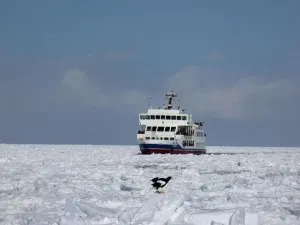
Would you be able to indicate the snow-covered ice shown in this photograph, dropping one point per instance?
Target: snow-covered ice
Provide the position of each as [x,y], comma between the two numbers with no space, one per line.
[76,185]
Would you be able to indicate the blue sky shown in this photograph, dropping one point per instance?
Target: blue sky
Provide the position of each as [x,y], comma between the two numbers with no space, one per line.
[78,71]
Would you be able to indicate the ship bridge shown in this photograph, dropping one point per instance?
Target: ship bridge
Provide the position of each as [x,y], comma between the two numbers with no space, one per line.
[162,116]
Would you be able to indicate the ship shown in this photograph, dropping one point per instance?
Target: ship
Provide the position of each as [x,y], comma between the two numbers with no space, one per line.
[170,131]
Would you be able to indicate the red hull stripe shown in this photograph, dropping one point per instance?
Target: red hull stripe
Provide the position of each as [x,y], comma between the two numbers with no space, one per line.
[175,151]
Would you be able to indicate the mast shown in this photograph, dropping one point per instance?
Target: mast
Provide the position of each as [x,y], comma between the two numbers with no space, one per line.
[170,95]
[149,102]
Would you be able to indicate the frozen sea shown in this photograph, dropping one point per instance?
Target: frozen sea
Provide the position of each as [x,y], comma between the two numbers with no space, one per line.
[85,184]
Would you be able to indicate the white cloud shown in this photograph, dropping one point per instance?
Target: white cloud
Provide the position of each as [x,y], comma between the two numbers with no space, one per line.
[202,92]
[86,90]
[250,97]
[90,92]
[132,97]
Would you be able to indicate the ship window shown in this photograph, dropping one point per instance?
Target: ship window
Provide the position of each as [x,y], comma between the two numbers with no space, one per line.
[168,117]
[163,117]
[200,134]
[141,117]
[173,129]
[148,128]
[188,143]
[147,138]
[183,117]
[152,117]
[147,117]
[178,117]
[166,138]
[153,138]
[160,129]
[154,128]
[157,117]
[173,117]
[167,129]
[171,138]
[161,138]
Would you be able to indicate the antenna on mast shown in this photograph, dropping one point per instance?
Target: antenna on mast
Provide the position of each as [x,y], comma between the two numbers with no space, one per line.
[149,101]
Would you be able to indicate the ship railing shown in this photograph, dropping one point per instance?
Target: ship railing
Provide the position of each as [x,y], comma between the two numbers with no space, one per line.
[199,123]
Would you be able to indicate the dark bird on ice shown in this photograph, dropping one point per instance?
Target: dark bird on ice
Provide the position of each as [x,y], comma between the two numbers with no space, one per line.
[159,182]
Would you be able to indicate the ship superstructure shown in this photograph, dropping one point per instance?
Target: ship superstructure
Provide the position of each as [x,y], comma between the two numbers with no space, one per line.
[169,130]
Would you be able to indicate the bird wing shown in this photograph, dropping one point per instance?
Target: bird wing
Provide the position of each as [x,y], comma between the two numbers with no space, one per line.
[154,179]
